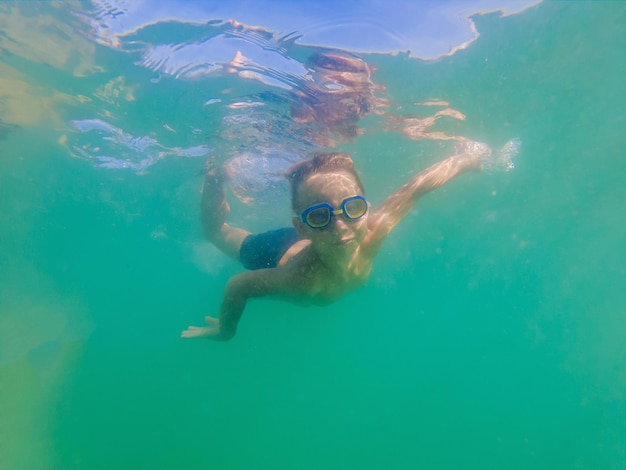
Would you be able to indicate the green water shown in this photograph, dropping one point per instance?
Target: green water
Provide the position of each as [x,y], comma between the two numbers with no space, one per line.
[491,334]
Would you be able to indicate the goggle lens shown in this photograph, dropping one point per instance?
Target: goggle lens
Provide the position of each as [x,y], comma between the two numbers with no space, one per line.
[355,208]
[319,217]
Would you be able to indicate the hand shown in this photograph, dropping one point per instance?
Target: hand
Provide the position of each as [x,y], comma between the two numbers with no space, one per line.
[211,331]
[491,161]
[480,154]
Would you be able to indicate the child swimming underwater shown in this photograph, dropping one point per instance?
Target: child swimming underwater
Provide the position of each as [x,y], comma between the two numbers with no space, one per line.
[335,237]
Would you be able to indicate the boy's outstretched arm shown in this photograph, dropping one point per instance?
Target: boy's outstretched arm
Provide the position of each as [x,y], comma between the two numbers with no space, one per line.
[238,290]
[385,217]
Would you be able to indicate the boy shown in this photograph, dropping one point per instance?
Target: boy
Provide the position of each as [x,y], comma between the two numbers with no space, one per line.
[335,236]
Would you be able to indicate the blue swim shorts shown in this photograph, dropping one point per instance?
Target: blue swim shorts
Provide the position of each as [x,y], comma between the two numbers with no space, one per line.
[264,250]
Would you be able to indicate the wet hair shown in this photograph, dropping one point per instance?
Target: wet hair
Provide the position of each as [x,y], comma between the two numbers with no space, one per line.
[339,93]
[320,163]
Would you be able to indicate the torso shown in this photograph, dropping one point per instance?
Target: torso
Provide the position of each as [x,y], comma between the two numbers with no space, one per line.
[319,282]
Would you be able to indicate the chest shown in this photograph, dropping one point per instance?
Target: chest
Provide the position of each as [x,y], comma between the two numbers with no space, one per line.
[330,285]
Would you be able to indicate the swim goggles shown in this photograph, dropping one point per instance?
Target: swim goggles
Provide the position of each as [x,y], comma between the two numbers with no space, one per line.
[320,215]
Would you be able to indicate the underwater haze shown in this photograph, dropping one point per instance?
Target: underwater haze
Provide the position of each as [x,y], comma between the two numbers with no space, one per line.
[491,333]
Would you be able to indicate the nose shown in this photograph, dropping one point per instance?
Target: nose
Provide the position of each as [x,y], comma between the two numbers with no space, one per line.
[339,224]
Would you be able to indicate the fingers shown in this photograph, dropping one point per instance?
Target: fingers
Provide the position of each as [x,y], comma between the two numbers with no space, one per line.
[202,331]
[193,332]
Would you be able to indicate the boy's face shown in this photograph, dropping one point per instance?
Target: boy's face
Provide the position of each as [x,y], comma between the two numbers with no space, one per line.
[342,234]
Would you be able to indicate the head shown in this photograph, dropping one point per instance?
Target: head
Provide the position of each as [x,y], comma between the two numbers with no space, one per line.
[340,94]
[337,62]
[327,178]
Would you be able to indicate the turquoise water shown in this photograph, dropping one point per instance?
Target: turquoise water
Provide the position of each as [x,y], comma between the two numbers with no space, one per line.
[491,333]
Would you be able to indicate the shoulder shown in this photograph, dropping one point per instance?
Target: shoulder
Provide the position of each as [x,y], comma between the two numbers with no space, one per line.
[294,251]
[377,233]
[295,276]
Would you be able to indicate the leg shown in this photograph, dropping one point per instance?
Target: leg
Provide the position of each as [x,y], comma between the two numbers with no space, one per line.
[213,213]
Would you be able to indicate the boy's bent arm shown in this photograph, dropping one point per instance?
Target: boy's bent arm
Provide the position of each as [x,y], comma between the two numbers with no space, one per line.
[238,290]
[385,217]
